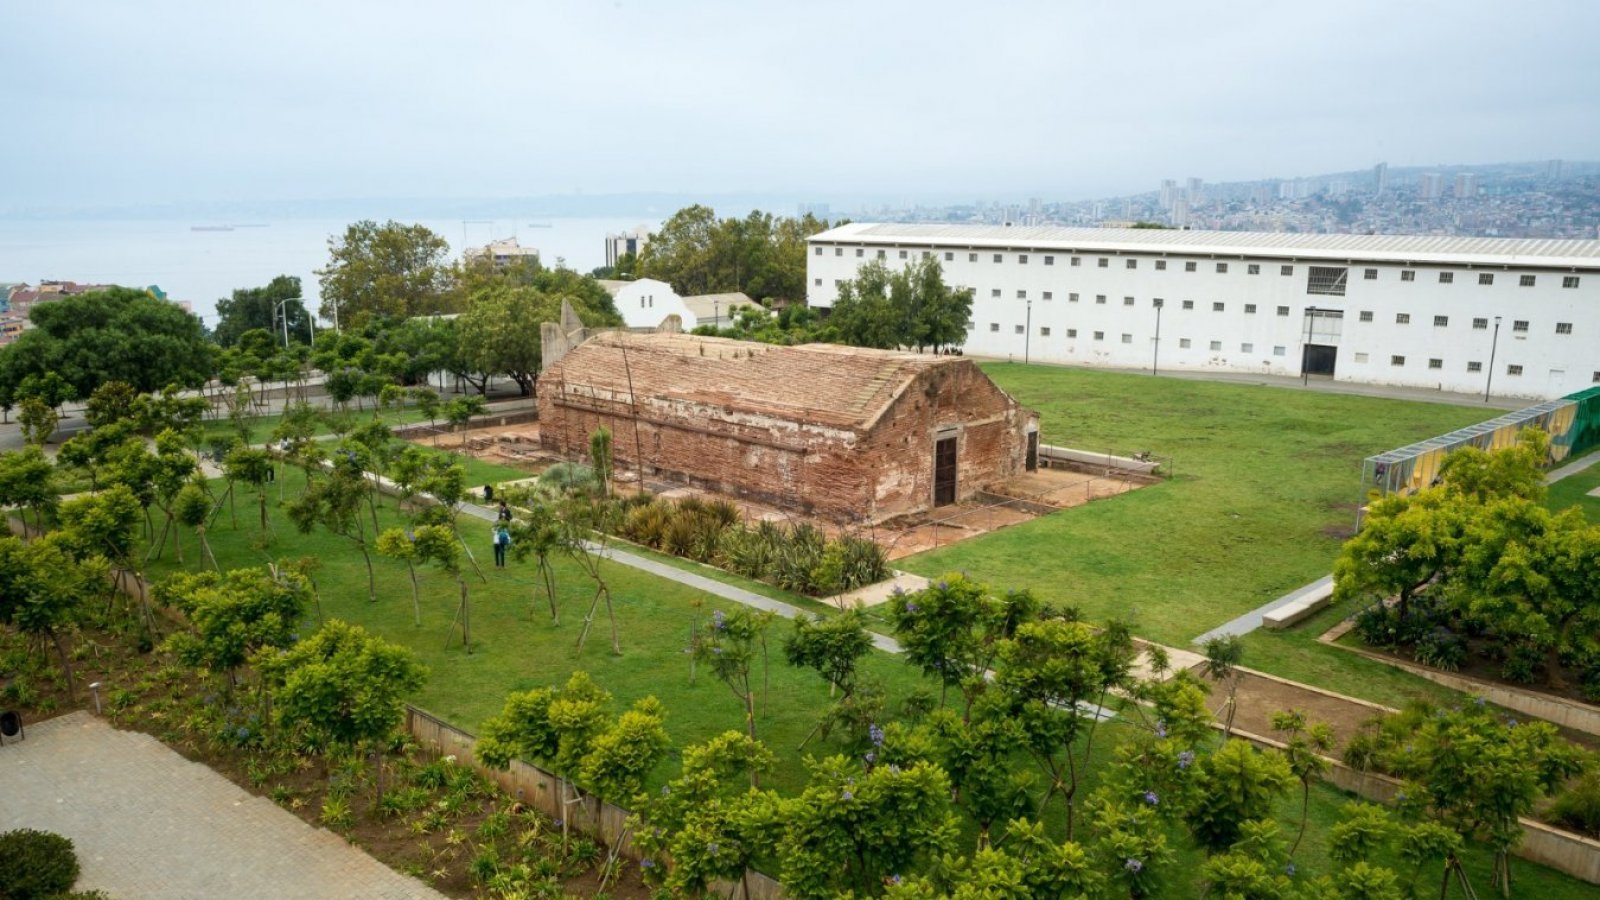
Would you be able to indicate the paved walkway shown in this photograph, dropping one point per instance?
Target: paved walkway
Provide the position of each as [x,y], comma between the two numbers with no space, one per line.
[148,823]
[1572,468]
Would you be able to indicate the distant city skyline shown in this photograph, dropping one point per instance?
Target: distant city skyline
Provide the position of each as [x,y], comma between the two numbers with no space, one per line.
[182,103]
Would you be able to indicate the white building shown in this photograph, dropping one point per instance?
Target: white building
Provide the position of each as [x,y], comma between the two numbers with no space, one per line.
[502,253]
[627,243]
[646,303]
[1457,314]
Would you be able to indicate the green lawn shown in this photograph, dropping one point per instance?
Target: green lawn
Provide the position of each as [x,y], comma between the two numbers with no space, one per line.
[1267,480]
[1574,490]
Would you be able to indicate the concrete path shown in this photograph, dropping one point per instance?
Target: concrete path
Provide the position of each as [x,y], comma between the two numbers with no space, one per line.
[1572,468]
[148,823]
[876,594]
[1251,620]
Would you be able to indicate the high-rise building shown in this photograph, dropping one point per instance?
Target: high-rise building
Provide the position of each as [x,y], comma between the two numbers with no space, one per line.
[1380,178]
[626,243]
[1466,185]
[1193,191]
[1169,192]
[1553,169]
[1180,212]
[1432,187]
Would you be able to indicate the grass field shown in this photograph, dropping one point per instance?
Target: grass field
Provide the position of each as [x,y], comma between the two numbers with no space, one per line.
[1574,491]
[1266,486]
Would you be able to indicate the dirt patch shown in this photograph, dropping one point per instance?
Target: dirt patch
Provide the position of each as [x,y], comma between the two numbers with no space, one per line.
[1259,698]
[1339,532]
[513,445]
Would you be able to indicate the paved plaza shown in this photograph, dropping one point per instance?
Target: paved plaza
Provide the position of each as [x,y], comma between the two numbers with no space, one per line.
[149,823]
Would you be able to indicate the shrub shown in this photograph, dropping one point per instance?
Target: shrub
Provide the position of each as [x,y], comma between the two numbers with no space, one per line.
[647,524]
[36,864]
[1578,807]
[1524,664]
[1442,649]
[570,478]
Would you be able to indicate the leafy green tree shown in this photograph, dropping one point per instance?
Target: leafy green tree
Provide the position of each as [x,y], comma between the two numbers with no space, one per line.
[908,307]
[833,648]
[118,334]
[1223,656]
[460,411]
[336,504]
[1236,784]
[499,332]
[258,308]
[42,592]
[1026,865]
[977,752]
[111,402]
[853,829]
[1304,745]
[384,270]
[253,467]
[192,507]
[231,617]
[952,630]
[1050,671]
[38,421]
[728,648]
[1405,544]
[584,525]
[601,458]
[399,543]
[537,533]
[28,481]
[342,688]
[702,824]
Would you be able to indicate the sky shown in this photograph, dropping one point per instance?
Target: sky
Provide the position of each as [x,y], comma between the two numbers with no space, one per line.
[149,103]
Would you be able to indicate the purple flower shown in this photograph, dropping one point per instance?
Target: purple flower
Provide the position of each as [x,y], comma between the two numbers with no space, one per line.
[847,796]
[647,864]
[1161,728]
[894,879]
[1289,870]
[712,848]
[1133,865]
[944,585]
[875,734]
[1400,797]
[871,757]
[665,790]
[1151,798]
[242,733]
[897,591]
[1511,723]
[910,607]
[718,620]
[1185,759]
[559,822]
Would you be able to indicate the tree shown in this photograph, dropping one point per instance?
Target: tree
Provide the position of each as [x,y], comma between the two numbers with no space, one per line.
[681,252]
[1236,784]
[909,307]
[28,480]
[729,649]
[258,307]
[952,630]
[341,688]
[1223,656]
[538,534]
[600,458]
[1304,748]
[581,519]
[118,334]
[192,507]
[336,503]
[459,413]
[111,402]
[831,647]
[233,616]
[253,467]
[42,589]
[1050,671]
[384,270]
[500,330]
[1405,544]
[38,421]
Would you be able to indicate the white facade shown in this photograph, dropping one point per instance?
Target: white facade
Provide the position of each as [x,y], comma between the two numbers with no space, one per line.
[1422,312]
[646,303]
[626,243]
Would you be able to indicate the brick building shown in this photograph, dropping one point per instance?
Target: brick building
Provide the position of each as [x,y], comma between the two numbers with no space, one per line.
[844,433]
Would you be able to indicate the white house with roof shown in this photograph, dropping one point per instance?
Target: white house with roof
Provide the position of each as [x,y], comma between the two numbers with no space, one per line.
[1518,318]
[645,303]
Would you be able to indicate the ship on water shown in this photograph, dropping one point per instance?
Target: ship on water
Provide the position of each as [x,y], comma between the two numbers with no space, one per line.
[210,227]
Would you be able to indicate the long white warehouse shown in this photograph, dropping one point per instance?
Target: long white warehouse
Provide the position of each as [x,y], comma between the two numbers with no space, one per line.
[1520,318]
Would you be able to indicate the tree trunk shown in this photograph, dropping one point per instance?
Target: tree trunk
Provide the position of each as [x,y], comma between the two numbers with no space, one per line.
[372,579]
[416,599]
[66,662]
[466,616]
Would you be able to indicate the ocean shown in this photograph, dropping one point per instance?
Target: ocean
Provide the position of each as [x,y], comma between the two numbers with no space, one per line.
[202,261]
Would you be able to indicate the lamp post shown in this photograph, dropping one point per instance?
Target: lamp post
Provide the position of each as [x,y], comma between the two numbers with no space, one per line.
[1305,350]
[1489,382]
[278,309]
[1027,333]
[1155,355]
[716,314]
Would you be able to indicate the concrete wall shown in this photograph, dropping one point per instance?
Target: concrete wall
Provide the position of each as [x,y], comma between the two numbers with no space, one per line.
[1063,305]
[554,796]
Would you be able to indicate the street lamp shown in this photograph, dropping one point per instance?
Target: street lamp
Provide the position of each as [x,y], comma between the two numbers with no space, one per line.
[278,308]
[1305,349]
[1489,382]
[1027,333]
[1155,355]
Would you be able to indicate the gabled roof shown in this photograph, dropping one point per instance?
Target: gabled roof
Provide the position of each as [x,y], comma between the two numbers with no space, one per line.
[813,384]
[1430,249]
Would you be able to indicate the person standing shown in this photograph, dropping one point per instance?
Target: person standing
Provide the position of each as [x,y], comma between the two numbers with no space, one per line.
[502,541]
[504,515]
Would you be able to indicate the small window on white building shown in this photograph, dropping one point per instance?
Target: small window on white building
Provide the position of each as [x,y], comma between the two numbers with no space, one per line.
[994,292]
[1402,318]
[1100,298]
[1044,331]
[815,281]
[994,326]
[1191,266]
[1217,307]
[1475,366]
[1018,329]
[1286,271]
[1328,280]
[1184,343]
[1049,260]
[1049,294]
[1447,277]
[1526,281]
[1519,325]
[972,257]
[1486,278]
[1133,263]
[1022,259]
[1188,304]
[1072,297]
[1216,345]
[1127,301]
[1022,295]
[838,251]
[1077,260]
[1283,310]
[1099,335]
[1569,281]
[1369,275]
[902,254]
[1397,360]
[1361,357]
[1366,315]
[1247,348]
[1435,363]
[1513,370]
[1127,339]
[1253,269]
[819,251]
[1280,350]
[1104,263]
[1408,275]
[1480,323]
[999,257]
[860,252]
[1222,268]
[1072,332]
[1563,328]
[883,254]
[949,257]
[1441,321]
[1161,265]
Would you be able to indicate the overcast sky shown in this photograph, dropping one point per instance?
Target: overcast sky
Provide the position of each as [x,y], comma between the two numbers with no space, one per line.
[150,102]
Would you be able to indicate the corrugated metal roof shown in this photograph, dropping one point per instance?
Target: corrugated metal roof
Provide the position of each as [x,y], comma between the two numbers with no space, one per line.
[1435,249]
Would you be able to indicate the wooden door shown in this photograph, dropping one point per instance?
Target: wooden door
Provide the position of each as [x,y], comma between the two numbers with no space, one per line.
[944,471]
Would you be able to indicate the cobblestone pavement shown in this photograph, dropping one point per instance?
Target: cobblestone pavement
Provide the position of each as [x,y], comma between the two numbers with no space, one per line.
[148,823]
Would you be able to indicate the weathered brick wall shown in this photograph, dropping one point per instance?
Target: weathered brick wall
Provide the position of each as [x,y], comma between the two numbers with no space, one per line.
[812,469]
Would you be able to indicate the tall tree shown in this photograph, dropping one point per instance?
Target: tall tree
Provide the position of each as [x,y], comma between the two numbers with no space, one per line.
[259,307]
[384,270]
[118,334]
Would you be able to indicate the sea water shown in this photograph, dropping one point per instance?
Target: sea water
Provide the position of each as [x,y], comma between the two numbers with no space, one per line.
[202,261]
